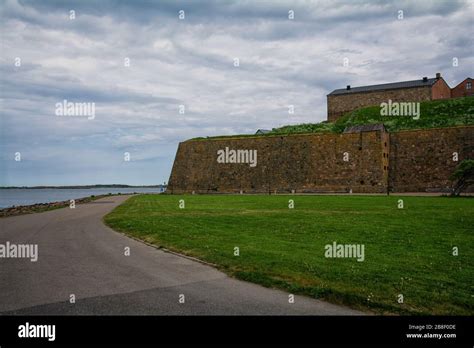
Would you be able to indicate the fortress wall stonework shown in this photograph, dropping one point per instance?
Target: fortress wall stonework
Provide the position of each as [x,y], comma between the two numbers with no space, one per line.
[408,161]
[422,161]
[304,163]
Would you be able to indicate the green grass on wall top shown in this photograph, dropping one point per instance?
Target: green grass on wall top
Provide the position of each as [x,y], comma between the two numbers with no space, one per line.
[433,114]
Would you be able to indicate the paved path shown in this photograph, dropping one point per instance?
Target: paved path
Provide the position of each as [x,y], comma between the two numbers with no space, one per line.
[79,255]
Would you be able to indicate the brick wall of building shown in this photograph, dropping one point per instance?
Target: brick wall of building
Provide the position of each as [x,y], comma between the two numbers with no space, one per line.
[461,90]
[440,90]
[338,105]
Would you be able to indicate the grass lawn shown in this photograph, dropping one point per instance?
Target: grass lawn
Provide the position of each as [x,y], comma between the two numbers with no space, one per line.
[408,251]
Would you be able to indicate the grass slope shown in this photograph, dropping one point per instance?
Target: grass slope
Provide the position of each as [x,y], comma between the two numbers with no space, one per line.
[407,251]
[433,114]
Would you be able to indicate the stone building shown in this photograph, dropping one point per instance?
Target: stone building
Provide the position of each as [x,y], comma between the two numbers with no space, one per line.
[464,89]
[341,101]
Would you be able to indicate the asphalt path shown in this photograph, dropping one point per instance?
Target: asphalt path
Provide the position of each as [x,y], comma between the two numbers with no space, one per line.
[78,255]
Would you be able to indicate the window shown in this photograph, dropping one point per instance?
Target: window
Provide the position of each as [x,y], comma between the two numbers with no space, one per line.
[469,85]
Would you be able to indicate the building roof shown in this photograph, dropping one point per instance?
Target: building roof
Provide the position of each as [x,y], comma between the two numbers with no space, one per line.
[385,86]
[365,128]
[465,80]
[262,131]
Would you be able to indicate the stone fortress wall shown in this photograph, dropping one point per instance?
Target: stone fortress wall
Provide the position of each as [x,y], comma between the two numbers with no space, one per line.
[422,160]
[364,162]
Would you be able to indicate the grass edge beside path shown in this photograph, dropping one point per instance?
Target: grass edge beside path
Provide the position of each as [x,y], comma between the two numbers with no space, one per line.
[137,219]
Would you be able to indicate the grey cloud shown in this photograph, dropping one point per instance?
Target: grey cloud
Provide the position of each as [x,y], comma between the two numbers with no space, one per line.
[190,62]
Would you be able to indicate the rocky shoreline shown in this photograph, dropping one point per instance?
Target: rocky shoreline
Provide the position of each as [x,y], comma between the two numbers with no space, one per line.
[40,207]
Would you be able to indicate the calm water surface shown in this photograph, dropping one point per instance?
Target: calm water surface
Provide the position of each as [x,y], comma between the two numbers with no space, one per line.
[11,197]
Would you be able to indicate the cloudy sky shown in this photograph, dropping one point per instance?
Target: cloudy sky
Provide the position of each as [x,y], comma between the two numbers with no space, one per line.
[48,56]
